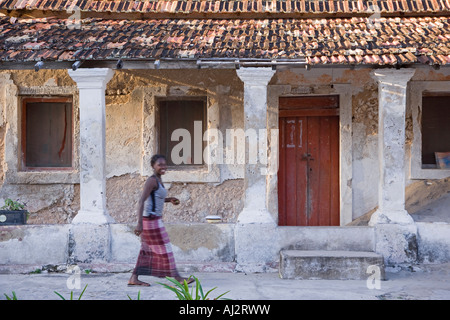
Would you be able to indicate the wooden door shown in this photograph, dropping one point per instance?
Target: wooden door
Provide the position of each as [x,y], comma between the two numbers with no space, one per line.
[308,176]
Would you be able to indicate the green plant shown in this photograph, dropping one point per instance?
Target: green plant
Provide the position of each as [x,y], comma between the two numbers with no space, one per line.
[183,293]
[37,271]
[71,294]
[12,205]
[14,297]
[138,297]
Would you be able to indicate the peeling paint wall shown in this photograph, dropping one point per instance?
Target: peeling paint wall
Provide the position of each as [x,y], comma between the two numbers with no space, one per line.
[130,140]
[127,93]
[364,124]
[51,199]
[364,142]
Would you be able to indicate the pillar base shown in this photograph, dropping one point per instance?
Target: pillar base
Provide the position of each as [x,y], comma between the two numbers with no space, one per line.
[89,243]
[256,244]
[249,215]
[256,247]
[93,217]
[397,243]
[399,217]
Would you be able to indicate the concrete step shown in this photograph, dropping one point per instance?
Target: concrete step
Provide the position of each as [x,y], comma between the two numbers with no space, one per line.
[328,238]
[330,265]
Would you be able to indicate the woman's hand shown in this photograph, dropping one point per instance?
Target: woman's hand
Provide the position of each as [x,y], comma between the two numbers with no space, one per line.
[138,229]
[174,201]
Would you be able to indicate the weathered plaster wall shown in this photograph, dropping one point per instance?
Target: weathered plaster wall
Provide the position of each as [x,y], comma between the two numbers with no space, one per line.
[4,78]
[365,132]
[364,124]
[421,193]
[53,200]
[126,94]
[197,200]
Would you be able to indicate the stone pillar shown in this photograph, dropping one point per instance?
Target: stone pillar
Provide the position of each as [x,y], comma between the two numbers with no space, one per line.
[92,84]
[255,118]
[254,233]
[90,234]
[395,228]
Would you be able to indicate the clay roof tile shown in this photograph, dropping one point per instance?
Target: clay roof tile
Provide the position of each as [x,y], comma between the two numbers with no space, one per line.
[324,41]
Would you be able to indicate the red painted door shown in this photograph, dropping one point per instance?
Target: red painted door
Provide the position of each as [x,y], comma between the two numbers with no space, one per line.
[308,176]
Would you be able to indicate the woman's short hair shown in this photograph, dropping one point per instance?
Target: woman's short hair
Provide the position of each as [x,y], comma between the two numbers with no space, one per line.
[155,158]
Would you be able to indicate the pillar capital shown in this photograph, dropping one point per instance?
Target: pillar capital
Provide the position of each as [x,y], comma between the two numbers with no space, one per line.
[255,76]
[393,76]
[91,78]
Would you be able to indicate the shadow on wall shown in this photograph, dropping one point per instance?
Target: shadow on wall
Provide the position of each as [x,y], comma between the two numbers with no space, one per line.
[426,201]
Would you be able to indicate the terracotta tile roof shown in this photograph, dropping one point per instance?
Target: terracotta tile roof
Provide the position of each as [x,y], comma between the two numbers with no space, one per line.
[384,41]
[233,6]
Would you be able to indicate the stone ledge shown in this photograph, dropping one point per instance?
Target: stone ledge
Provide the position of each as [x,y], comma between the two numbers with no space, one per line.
[328,265]
[184,267]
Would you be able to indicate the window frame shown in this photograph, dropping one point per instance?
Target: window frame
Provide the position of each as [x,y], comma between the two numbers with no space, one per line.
[415,100]
[203,99]
[50,99]
[431,95]
[208,173]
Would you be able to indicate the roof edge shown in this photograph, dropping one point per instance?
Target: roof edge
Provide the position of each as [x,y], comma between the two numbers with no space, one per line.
[233,7]
[82,14]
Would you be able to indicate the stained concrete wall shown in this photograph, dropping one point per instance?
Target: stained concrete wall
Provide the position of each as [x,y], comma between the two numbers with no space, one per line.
[34,244]
[25,248]
[433,242]
[364,144]
[57,200]
[130,139]
[52,199]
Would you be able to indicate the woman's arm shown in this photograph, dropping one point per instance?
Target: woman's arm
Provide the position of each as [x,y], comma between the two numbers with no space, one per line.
[173,200]
[149,186]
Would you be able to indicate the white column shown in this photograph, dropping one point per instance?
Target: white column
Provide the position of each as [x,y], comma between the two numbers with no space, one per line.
[391,146]
[255,118]
[256,244]
[395,231]
[92,84]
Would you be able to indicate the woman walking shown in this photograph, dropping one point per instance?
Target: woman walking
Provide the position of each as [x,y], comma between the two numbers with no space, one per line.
[155,256]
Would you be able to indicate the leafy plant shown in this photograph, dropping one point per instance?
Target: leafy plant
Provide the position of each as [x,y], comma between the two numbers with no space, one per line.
[13,297]
[138,297]
[71,294]
[182,290]
[12,205]
[36,271]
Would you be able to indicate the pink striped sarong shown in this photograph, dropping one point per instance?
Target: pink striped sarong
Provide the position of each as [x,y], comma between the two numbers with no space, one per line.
[155,257]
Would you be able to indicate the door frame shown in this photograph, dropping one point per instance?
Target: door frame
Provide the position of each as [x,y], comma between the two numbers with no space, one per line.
[344,91]
[313,112]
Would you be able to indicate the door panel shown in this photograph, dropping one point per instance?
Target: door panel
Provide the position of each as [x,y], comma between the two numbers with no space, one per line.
[308,177]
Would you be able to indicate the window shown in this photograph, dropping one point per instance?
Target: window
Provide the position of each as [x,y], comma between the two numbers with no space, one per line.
[47,133]
[420,97]
[435,127]
[182,124]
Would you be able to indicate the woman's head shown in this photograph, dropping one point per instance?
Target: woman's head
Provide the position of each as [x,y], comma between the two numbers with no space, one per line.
[158,163]
[155,158]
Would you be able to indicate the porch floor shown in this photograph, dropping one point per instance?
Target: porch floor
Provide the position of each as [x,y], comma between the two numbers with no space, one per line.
[437,211]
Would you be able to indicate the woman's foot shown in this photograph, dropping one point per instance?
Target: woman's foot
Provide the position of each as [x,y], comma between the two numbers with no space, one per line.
[134,281]
[181,280]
